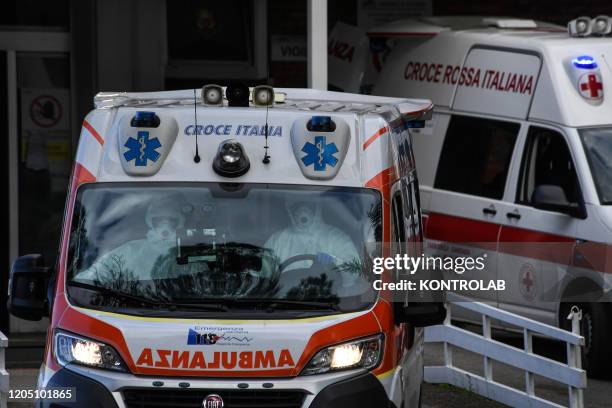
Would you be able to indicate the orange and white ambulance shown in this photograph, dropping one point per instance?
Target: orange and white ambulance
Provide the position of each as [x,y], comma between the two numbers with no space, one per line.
[518,156]
[216,252]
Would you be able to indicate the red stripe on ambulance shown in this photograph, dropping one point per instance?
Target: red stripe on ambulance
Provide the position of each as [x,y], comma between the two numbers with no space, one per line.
[93,132]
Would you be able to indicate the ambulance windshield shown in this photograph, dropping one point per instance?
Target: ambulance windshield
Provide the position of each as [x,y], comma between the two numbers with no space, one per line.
[234,247]
[597,144]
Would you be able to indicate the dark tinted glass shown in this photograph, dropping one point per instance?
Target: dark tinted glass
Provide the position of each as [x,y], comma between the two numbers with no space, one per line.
[28,13]
[476,156]
[597,144]
[209,30]
[547,161]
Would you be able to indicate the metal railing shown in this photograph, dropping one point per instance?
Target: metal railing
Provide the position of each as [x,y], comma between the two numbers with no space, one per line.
[4,375]
[570,374]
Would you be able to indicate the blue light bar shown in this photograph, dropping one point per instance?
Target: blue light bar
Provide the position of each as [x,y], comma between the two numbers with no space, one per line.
[321,121]
[145,119]
[142,115]
[584,62]
[415,124]
[321,124]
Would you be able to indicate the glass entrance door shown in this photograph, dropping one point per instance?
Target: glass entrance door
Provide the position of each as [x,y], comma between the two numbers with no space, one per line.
[45,150]
[4,186]
[36,106]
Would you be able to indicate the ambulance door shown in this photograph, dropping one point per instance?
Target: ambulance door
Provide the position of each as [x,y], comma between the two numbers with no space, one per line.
[536,245]
[465,218]
[406,236]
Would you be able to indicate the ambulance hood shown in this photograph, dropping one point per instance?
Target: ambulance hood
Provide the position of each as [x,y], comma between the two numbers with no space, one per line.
[160,346]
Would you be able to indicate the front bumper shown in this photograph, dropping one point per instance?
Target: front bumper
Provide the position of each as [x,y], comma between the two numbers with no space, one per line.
[98,388]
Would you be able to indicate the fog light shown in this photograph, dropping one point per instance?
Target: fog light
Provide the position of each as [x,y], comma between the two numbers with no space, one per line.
[263,95]
[231,159]
[212,95]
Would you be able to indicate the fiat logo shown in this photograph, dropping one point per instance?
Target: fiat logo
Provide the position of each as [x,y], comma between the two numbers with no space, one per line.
[212,401]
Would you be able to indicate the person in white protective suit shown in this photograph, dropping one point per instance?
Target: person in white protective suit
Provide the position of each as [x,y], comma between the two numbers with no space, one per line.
[310,235]
[135,260]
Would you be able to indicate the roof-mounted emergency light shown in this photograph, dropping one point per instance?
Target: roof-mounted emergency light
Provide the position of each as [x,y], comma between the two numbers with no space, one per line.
[212,95]
[231,159]
[320,144]
[585,74]
[584,62]
[145,119]
[321,124]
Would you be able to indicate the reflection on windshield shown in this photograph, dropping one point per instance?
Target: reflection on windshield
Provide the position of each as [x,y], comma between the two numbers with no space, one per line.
[185,243]
[597,144]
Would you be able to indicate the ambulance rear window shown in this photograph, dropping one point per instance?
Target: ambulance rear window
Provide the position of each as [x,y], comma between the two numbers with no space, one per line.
[476,156]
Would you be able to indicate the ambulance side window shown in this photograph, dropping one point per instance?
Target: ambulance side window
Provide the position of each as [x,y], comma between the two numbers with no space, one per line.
[406,223]
[412,218]
[397,227]
[476,156]
[546,161]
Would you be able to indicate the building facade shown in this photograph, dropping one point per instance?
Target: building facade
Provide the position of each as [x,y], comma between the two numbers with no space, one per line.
[56,55]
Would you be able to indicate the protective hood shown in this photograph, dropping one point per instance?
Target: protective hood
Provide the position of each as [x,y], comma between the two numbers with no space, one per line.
[305,214]
[167,207]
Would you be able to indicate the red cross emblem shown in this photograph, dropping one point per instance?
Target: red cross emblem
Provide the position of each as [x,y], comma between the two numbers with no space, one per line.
[590,86]
[527,282]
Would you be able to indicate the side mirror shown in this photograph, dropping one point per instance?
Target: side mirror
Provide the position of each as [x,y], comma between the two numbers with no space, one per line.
[420,314]
[551,197]
[28,284]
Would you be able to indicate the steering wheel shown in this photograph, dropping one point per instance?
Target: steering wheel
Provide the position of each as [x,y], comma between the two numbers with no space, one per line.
[294,259]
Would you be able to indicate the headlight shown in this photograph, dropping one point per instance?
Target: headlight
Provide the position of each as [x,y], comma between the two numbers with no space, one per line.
[74,349]
[363,353]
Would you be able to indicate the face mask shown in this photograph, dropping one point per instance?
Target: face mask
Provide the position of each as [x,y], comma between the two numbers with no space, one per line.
[165,229]
[303,218]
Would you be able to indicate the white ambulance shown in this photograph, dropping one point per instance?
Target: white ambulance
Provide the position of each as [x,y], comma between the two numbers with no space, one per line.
[216,253]
[518,157]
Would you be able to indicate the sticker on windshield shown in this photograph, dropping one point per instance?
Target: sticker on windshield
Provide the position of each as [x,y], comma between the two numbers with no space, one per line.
[218,336]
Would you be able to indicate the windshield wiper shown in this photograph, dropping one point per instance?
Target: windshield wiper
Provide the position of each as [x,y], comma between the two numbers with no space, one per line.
[143,300]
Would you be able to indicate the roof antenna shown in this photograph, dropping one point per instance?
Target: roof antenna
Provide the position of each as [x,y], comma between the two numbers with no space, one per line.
[196,158]
[266,158]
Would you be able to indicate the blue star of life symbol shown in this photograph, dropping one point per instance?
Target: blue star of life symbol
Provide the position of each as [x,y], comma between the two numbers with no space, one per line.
[320,154]
[142,149]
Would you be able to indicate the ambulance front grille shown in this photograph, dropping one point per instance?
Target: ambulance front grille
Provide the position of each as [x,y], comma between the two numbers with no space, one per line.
[193,398]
